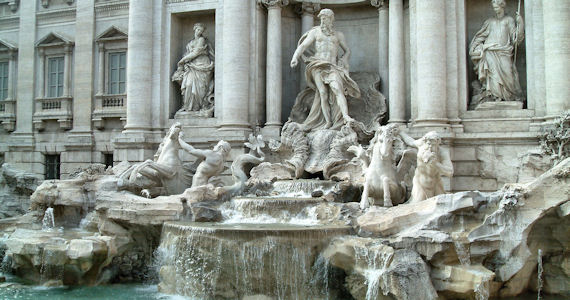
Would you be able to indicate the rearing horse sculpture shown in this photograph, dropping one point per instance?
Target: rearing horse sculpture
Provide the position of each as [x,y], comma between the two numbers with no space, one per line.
[383,179]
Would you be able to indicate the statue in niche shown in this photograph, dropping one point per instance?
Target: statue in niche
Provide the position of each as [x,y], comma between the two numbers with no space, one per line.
[493,51]
[433,161]
[195,74]
[384,174]
[327,73]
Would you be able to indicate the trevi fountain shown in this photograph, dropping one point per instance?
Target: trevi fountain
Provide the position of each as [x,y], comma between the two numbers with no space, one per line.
[347,199]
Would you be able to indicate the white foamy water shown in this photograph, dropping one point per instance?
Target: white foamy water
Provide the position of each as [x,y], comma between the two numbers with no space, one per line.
[48,221]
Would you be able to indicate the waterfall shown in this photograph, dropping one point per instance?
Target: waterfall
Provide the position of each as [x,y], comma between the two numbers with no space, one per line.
[209,260]
[376,261]
[482,289]
[48,221]
[539,271]
[462,253]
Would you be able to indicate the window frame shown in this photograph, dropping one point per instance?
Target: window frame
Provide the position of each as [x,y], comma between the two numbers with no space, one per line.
[4,86]
[107,78]
[47,78]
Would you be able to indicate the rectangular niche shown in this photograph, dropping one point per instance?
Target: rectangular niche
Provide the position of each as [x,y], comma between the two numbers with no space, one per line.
[477,11]
[181,33]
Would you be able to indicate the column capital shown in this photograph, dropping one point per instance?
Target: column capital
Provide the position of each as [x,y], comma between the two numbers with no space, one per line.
[269,4]
[308,8]
[42,52]
[380,4]
[101,46]
[67,49]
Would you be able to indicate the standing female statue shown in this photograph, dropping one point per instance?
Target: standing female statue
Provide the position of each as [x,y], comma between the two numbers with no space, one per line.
[492,52]
[195,73]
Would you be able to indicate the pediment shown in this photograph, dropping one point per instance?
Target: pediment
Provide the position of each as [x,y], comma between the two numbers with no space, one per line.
[6,46]
[111,34]
[54,39]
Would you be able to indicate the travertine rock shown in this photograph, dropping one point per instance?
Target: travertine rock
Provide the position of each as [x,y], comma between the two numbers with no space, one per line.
[15,190]
[483,243]
[377,271]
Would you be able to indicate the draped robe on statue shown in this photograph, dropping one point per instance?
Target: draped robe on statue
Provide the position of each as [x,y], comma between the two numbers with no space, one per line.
[492,51]
[329,73]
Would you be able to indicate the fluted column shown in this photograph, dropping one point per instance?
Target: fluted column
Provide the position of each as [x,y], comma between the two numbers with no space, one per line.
[308,11]
[383,36]
[139,66]
[235,77]
[101,75]
[397,83]
[274,84]
[557,55]
[431,63]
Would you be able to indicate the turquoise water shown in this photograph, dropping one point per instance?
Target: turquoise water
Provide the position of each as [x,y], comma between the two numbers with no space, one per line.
[18,290]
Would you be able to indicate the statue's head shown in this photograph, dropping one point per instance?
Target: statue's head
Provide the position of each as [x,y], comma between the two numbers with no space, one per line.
[223,146]
[174,130]
[498,5]
[326,15]
[200,27]
[432,139]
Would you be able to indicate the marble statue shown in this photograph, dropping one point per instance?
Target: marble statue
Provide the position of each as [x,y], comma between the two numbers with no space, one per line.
[493,51]
[383,178]
[166,170]
[209,163]
[195,73]
[433,161]
[327,73]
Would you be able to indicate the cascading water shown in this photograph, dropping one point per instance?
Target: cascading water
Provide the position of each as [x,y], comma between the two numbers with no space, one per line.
[301,187]
[299,211]
[539,273]
[376,262]
[482,289]
[231,261]
[48,221]
[462,253]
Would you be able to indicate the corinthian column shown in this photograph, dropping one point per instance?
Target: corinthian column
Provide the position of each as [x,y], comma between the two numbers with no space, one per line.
[431,63]
[382,6]
[139,66]
[556,55]
[274,85]
[235,59]
[307,12]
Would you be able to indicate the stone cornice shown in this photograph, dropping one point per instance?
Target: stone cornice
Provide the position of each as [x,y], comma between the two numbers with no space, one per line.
[110,9]
[56,16]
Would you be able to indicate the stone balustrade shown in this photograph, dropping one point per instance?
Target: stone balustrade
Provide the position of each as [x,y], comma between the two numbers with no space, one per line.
[60,109]
[109,106]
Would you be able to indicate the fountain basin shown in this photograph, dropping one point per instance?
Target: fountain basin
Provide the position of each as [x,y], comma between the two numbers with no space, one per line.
[213,260]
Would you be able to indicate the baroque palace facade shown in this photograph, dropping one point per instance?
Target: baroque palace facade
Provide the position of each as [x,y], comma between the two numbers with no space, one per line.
[91,81]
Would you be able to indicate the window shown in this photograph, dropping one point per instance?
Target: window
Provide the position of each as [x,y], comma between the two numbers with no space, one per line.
[108,160]
[55,77]
[3,80]
[52,166]
[117,73]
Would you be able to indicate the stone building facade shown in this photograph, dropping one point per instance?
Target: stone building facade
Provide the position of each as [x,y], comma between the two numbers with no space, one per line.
[89,81]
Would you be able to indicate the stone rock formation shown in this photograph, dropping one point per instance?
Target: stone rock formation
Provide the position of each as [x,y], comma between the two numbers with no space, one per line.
[15,190]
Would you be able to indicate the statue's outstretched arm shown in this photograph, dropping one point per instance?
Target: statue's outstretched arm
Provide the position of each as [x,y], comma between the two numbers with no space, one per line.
[187,147]
[408,139]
